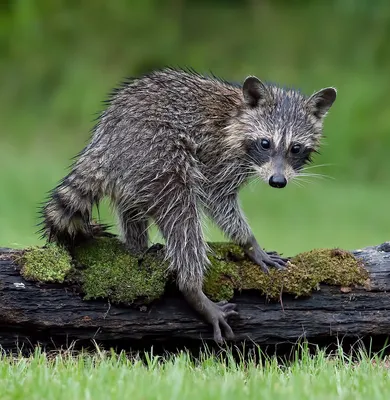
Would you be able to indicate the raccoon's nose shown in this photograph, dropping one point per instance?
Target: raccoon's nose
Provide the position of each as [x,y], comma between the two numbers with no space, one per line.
[277,181]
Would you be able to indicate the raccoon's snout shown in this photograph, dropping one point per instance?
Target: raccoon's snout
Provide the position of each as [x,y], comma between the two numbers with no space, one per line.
[277,181]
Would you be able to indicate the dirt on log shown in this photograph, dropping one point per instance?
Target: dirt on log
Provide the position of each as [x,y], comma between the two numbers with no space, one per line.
[56,315]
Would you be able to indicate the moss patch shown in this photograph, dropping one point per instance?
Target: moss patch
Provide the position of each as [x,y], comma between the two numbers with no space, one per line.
[110,271]
[223,275]
[303,274]
[46,264]
[104,269]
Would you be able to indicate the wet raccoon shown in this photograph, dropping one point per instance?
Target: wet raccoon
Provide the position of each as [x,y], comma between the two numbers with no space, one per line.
[174,143]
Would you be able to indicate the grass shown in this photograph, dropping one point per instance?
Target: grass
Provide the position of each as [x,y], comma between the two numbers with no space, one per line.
[106,375]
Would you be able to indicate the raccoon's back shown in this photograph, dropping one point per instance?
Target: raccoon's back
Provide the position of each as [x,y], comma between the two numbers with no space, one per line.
[159,117]
[171,99]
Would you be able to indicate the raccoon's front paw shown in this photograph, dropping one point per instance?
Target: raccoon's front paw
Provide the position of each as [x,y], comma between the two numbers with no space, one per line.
[258,256]
[274,260]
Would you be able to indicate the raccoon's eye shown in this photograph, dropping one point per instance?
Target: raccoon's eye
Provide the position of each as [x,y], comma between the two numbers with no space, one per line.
[296,148]
[265,144]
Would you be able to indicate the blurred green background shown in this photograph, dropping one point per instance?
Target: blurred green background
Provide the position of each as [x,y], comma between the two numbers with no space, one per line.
[59,59]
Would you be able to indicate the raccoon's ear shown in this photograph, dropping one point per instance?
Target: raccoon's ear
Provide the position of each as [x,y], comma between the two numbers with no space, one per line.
[320,102]
[254,91]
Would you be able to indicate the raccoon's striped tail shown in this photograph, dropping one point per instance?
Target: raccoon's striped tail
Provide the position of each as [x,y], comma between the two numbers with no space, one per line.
[67,215]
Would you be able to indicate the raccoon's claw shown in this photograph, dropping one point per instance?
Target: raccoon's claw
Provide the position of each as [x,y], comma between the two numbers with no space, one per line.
[265,261]
[220,314]
[258,256]
[276,261]
[215,314]
[274,253]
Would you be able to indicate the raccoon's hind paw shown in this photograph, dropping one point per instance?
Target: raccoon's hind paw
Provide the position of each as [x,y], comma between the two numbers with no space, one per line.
[220,313]
[215,314]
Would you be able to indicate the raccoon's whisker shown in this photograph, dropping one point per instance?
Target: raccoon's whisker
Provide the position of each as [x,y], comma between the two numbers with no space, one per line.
[303,180]
[301,184]
[316,166]
[251,184]
[297,183]
[312,174]
[318,176]
[306,181]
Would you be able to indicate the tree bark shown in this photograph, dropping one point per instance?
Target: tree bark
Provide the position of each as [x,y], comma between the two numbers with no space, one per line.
[55,315]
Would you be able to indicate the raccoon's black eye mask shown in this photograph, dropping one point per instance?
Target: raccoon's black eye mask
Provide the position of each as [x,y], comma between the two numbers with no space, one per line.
[258,151]
[300,159]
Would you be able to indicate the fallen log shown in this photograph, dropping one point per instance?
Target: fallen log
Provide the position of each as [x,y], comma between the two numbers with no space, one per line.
[56,314]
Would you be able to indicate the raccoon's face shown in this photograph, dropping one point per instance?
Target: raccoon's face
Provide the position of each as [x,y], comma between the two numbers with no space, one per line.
[283,129]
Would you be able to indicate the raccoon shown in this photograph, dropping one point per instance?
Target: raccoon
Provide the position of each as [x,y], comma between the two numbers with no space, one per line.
[174,144]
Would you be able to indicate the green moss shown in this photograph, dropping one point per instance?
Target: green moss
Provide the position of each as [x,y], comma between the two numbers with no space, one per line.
[104,269]
[110,271]
[303,274]
[46,264]
[223,276]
